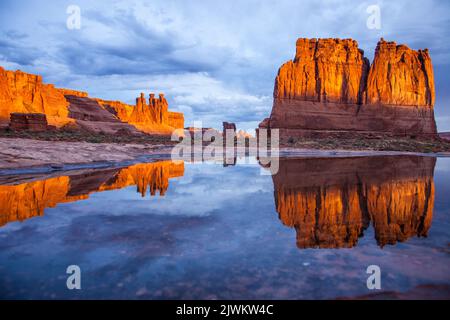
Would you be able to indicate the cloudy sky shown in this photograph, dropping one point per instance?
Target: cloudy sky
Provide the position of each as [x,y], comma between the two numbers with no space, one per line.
[214,60]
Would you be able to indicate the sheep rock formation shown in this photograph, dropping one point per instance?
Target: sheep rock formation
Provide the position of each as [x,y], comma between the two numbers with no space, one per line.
[26,93]
[331,87]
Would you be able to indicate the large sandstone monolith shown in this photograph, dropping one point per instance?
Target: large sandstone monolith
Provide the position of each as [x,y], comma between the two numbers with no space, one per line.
[330,87]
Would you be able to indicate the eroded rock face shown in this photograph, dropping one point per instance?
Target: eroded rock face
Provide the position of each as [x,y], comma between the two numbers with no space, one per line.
[330,86]
[176,120]
[150,115]
[331,201]
[400,76]
[25,93]
[92,116]
[324,70]
[21,92]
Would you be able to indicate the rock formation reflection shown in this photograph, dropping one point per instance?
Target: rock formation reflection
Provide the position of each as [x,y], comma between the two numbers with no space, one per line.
[330,202]
[26,200]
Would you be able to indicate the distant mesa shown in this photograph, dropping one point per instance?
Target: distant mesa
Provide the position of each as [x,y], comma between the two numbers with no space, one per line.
[445,135]
[331,202]
[330,87]
[26,94]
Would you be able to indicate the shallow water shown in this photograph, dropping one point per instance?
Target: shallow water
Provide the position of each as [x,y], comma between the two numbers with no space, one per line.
[203,230]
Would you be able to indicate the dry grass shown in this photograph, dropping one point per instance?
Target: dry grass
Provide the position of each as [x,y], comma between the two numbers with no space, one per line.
[375,144]
[85,136]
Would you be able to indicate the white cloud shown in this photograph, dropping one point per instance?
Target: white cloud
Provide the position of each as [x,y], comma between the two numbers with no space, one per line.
[215,60]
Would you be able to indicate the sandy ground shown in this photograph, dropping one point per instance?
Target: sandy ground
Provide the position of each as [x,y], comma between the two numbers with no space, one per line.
[17,153]
[26,153]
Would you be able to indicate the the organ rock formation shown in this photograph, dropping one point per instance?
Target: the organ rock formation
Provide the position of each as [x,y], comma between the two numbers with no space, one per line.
[26,93]
[331,87]
[331,201]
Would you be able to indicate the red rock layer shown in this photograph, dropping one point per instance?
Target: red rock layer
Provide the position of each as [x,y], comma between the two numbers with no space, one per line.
[176,120]
[400,76]
[330,202]
[324,70]
[150,116]
[25,93]
[28,121]
[330,86]
[27,200]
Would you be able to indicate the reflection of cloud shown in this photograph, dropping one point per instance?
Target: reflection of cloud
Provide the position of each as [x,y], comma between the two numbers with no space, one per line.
[226,57]
[182,198]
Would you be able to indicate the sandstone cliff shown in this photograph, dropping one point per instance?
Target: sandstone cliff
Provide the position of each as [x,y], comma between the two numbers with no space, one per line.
[151,117]
[331,86]
[331,202]
[25,93]
[400,76]
[324,70]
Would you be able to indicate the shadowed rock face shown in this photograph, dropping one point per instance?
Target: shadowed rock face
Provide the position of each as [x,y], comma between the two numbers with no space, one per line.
[330,86]
[26,200]
[28,121]
[330,202]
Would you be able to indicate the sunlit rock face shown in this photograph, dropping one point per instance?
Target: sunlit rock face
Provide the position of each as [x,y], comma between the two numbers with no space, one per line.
[151,116]
[323,70]
[330,202]
[331,87]
[20,201]
[401,76]
[26,93]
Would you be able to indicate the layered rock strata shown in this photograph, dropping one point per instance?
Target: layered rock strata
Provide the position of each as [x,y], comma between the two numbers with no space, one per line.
[29,122]
[21,92]
[331,87]
[26,93]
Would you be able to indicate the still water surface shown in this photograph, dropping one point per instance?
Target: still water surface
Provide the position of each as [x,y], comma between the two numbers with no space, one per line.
[168,230]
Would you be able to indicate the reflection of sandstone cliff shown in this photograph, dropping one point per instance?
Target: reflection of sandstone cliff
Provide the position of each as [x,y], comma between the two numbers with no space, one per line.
[22,201]
[330,202]
[331,86]
[26,93]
